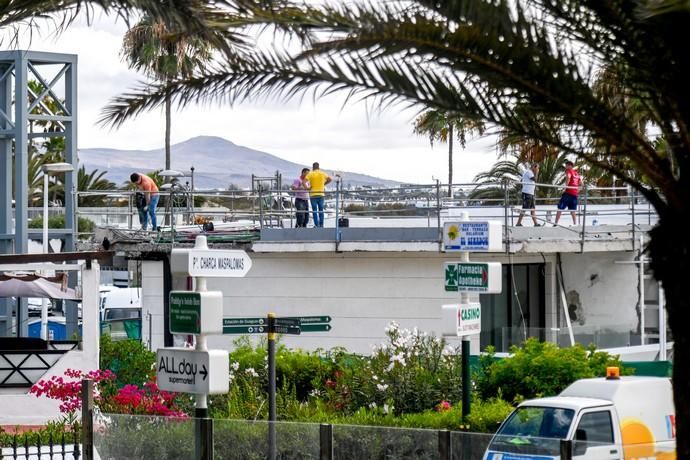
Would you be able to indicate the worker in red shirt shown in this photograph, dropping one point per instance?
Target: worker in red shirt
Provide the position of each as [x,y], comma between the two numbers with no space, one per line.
[573,180]
[150,189]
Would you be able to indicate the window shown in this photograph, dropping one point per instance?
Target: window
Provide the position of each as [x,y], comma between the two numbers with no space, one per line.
[518,312]
[595,427]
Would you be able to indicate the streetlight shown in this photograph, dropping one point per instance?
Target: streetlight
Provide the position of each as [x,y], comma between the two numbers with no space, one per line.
[47,169]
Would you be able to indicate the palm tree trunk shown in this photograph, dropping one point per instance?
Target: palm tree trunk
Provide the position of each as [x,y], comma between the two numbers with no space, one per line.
[168,119]
[669,248]
[450,160]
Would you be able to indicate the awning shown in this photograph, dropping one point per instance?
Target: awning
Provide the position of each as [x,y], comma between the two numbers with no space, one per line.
[31,285]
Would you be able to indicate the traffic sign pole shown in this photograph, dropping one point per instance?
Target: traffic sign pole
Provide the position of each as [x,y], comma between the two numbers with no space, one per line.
[466,382]
[271,386]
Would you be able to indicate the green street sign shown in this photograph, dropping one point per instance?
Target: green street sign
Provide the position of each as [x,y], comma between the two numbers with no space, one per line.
[185,312]
[227,322]
[473,277]
[291,330]
[451,283]
[310,319]
[255,329]
[316,327]
[484,277]
[290,322]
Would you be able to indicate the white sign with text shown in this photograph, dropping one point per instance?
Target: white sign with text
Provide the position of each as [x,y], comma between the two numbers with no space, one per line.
[183,370]
[211,262]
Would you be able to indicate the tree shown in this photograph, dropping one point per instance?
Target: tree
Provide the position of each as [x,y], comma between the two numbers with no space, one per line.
[92,182]
[526,66]
[442,126]
[162,52]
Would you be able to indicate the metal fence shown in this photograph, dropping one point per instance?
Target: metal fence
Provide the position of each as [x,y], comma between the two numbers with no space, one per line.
[30,446]
[410,205]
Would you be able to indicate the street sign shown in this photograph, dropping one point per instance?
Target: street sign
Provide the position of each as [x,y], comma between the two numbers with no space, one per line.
[309,319]
[190,371]
[196,312]
[291,330]
[292,322]
[227,322]
[485,277]
[252,329]
[316,327]
[469,319]
[461,319]
[210,262]
[472,236]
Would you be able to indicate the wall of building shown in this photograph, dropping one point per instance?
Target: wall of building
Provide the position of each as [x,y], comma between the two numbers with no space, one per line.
[602,293]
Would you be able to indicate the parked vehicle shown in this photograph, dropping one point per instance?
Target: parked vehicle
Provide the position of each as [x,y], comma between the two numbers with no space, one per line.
[119,303]
[121,313]
[606,418]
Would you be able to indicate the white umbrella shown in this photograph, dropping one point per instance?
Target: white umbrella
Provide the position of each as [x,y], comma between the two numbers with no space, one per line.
[36,286]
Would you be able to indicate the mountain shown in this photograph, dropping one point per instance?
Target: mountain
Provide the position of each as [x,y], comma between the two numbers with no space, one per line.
[217,164]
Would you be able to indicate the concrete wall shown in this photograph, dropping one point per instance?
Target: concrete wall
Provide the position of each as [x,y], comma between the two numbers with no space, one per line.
[601,289]
[152,303]
[364,291]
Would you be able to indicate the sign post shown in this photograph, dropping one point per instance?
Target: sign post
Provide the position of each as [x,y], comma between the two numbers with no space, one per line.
[465,277]
[200,371]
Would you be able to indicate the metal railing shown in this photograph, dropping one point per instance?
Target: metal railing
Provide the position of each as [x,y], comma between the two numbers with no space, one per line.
[40,446]
[403,206]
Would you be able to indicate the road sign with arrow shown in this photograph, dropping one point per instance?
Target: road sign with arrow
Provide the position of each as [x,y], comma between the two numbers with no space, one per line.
[184,370]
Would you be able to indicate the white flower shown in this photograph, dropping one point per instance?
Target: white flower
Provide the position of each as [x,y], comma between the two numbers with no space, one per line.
[315,393]
[382,386]
[234,366]
[374,377]
[387,408]
[372,405]
[251,372]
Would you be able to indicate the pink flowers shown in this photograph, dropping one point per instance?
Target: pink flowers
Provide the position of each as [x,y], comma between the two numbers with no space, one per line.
[130,399]
[68,392]
[443,406]
[148,400]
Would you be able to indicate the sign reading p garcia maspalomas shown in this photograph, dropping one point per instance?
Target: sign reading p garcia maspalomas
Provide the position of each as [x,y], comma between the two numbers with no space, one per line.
[211,262]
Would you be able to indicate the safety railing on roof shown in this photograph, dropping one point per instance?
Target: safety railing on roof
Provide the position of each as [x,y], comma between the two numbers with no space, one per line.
[181,209]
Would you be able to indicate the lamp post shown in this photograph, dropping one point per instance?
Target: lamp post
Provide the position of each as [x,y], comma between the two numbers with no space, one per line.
[48,169]
[171,174]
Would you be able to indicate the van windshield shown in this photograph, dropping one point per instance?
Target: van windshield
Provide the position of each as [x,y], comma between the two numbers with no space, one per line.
[532,430]
[542,422]
[122,313]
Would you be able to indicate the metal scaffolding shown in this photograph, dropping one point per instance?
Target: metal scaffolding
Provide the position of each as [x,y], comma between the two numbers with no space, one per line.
[27,114]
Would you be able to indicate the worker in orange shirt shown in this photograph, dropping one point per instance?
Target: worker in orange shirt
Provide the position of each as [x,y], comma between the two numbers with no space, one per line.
[318,180]
[150,189]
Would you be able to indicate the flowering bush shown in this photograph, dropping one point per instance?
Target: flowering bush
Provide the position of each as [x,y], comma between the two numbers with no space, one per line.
[411,372]
[68,392]
[130,399]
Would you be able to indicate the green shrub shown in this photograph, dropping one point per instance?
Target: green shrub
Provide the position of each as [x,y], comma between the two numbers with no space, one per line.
[130,360]
[539,369]
[84,225]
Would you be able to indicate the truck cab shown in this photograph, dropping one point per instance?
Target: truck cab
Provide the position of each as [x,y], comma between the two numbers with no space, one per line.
[612,418]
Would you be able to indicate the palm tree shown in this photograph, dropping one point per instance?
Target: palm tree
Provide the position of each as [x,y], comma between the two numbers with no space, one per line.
[163,53]
[92,182]
[485,59]
[442,126]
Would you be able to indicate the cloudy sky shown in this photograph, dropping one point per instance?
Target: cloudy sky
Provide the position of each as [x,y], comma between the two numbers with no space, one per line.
[349,138]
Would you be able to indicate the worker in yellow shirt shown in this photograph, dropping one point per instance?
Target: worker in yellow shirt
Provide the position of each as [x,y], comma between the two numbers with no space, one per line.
[318,180]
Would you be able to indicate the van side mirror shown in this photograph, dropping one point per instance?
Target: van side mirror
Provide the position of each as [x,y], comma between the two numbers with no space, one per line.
[580,442]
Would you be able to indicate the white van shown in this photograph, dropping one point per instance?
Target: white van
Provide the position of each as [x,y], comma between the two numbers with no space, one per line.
[121,303]
[606,418]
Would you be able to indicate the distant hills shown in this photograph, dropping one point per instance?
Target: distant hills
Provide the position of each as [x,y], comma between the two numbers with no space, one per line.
[217,164]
